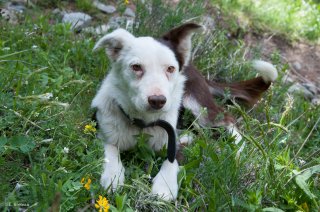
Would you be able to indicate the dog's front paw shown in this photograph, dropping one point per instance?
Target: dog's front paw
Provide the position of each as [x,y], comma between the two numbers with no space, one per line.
[165,183]
[233,130]
[113,175]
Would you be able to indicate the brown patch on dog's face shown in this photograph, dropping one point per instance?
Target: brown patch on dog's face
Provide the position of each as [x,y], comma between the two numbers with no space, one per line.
[179,40]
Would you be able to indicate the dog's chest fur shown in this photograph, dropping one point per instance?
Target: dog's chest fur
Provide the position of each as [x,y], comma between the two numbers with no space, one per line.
[117,130]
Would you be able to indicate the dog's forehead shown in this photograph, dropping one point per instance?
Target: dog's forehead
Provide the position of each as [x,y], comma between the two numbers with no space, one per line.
[147,48]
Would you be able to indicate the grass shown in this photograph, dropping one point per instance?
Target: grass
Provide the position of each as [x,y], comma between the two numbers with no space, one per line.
[296,20]
[48,77]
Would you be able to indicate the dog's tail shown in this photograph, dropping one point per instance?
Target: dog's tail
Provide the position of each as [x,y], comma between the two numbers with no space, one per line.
[249,91]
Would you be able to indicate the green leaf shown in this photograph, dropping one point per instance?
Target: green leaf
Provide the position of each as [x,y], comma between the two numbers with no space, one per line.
[120,201]
[272,209]
[302,177]
[3,141]
[22,143]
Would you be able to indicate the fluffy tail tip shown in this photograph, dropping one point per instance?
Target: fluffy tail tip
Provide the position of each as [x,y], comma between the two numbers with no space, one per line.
[267,71]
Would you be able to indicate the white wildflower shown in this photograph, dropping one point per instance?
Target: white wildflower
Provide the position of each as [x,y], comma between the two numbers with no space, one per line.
[45,96]
[66,150]
[18,186]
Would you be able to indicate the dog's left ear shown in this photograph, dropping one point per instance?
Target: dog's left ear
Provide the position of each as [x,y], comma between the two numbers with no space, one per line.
[179,40]
[114,42]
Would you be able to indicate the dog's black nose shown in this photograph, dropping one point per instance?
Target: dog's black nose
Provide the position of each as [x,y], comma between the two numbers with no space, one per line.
[157,102]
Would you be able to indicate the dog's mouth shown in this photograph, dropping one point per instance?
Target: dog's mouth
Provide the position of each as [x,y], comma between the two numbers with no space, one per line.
[154,111]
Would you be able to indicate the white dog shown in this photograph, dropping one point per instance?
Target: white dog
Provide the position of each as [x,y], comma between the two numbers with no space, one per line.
[150,80]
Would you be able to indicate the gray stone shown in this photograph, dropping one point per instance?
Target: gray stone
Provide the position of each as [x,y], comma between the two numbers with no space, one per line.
[104,8]
[116,22]
[77,20]
[288,79]
[316,101]
[103,29]
[9,16]
[16,7]
[57,11]
[298,88]
[121,21]
[208,22]
[99,30]
[129,12]
[311,87]
[297,66]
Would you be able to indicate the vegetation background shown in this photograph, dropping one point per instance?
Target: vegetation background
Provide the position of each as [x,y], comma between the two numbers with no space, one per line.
[51,158]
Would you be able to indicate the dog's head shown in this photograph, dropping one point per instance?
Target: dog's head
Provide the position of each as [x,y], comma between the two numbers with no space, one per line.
[148,70]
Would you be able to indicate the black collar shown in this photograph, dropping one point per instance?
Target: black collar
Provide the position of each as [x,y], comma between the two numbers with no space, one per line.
[171,150]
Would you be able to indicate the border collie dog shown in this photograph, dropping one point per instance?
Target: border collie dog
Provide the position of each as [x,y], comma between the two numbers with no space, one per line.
[152,79]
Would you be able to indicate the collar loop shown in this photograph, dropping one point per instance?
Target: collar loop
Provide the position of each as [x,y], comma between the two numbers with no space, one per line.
[171,150]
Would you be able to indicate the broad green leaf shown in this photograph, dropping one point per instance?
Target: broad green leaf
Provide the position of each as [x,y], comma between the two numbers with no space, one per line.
[272,209]
[121,201]
[302,177]
[3,141]
[22,143]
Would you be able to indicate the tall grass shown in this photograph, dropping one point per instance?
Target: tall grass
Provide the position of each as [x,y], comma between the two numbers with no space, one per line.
[297,19]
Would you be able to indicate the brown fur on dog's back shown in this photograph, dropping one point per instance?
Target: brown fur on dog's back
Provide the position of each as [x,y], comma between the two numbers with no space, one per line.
[198,88]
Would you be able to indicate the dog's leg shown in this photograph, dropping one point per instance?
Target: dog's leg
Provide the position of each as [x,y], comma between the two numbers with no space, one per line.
[113,170]
[165,183]
[197,97]
[209,117]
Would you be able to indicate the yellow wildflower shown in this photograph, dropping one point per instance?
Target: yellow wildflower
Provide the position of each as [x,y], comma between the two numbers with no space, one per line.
[87,184]
[126,2]
[90,128]
[305,207]
[102,204]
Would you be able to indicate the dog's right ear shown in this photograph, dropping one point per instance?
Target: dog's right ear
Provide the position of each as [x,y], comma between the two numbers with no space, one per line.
[114,42]
[179,39]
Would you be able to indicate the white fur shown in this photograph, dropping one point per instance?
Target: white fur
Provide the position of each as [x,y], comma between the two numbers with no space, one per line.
[192,104]
[267,71]
[186,45]
[113,170]
[122,86]
[165,183]
[233,130]
[186,139]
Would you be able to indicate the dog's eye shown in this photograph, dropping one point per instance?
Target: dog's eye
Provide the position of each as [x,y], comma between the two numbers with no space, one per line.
[171,69]
[136,67]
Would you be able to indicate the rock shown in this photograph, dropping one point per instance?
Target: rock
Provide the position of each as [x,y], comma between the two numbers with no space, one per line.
[311,87]
[78,20]
[129,13]
[104,8]
[16,6]
[99,30]
[57,11]
[297,66]
[103,29]
[208,22]
[121,21]
[288,79]
[316,101]
[298,88]
[9,16]
[116,22]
